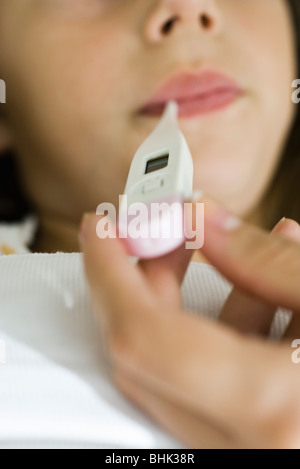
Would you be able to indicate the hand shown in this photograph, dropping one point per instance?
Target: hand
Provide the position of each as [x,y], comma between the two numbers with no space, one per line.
[207,383]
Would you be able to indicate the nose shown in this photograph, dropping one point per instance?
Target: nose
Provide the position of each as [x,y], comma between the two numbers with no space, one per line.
[167,16]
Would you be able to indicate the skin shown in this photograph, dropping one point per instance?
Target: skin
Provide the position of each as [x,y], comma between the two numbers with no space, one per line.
[213,385]
[77,74]
[85,68]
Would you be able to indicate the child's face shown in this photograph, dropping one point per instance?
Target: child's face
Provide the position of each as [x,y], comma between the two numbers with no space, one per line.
[79,71]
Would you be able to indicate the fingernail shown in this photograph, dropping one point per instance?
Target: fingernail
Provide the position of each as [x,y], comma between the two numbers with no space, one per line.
[197,196]
[221,217]
[231,222]
[278,226]
[282,221]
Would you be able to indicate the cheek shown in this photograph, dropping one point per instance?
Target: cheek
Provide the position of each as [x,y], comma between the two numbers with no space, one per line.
[264,30]
[73,84]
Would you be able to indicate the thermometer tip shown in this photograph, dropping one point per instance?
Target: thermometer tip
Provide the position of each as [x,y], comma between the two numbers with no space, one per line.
[171,111]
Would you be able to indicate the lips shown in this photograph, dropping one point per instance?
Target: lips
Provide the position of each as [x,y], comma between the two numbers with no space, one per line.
[195,94]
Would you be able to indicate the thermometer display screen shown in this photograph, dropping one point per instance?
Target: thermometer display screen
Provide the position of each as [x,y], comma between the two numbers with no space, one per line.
[157,163]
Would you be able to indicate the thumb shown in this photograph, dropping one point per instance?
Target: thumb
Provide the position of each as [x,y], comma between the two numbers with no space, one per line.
[262,264]
[166,274]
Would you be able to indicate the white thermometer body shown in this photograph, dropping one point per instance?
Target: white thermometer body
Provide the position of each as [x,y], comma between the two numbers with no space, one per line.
[161,173]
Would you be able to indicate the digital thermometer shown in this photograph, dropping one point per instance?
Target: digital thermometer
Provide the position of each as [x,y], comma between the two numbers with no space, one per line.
[160,180]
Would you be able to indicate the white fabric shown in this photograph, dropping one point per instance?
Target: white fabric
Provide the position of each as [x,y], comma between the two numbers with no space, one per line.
[55,386]
[17,236]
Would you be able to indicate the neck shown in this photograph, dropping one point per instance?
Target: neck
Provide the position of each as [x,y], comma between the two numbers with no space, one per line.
[56,234]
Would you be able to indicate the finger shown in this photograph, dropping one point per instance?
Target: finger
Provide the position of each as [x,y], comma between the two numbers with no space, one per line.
[108,265]
[167,273]
[292,229]
[293,329]
[288,228]
[247,313]
[115,283]
[184,424]
[262,264]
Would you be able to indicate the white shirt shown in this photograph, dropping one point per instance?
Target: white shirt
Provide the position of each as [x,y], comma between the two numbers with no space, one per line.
[55,385]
